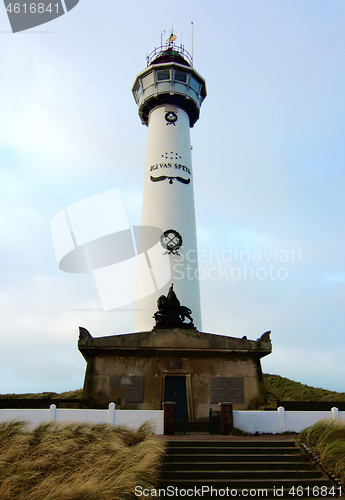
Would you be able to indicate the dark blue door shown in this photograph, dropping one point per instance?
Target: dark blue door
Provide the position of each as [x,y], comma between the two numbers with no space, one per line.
[175,390]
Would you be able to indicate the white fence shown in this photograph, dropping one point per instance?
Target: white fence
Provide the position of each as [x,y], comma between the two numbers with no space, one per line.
[129,418]
[274,422]
[277,422]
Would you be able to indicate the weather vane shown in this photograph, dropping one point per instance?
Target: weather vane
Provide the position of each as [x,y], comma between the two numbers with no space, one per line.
[171,38]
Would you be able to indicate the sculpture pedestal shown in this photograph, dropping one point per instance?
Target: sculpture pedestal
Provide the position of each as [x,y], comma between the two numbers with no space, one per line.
[196,370]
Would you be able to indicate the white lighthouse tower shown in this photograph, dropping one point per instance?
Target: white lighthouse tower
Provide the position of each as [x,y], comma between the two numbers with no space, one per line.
[169,93]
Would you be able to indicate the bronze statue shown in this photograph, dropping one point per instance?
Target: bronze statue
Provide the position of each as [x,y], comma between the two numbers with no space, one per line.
[170,313]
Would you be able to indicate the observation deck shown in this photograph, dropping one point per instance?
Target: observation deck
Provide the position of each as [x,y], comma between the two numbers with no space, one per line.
[169,78]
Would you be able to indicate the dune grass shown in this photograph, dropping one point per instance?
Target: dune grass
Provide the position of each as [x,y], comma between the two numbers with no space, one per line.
[327,439]
[76,394]
[76,461]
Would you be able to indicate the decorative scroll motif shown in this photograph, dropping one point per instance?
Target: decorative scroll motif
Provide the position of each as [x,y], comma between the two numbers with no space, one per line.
[171,240]
[171,179]
[84,334]
[265,337]
[170,313]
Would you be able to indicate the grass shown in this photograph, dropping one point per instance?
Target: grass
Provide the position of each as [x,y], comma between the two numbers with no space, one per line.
[76,461]
[283,389]
[327,439]
[45,395]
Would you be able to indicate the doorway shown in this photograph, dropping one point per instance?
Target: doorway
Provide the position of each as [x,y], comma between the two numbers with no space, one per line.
[175,390]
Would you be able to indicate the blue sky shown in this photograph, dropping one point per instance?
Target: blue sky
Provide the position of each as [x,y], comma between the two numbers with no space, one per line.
[268,157]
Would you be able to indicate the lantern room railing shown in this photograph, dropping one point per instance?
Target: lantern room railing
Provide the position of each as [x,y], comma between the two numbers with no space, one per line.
[170,51]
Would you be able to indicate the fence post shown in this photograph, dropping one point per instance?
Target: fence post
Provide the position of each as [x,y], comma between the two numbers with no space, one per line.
[169,418]
[282,419]
[52,413]
[111,413]
[335,413]
[226,418]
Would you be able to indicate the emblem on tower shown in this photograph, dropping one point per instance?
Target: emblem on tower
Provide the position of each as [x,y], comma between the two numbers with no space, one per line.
[170,117]
[171,240]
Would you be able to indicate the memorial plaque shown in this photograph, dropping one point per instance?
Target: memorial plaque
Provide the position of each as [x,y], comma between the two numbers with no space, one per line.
[226,389]
[132,385]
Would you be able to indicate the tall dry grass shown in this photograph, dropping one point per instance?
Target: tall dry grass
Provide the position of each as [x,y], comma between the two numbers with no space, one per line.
[327,439]
[76,461]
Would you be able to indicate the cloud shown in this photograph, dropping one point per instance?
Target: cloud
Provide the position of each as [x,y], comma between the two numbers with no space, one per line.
[57,133]
[315,367]
[40,316]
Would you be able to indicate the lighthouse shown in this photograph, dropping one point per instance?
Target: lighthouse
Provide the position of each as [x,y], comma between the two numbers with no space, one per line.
[166,362]
[169,94]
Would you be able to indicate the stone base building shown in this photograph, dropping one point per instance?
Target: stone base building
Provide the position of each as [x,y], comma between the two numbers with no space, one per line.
[196,370]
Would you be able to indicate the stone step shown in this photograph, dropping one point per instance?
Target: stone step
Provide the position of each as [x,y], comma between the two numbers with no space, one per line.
[195,493]
[235,475]
[178,443]
[248,492]
[237,465]
[240,484]
[215,457]
[202,450]
[267,494]
[270,469]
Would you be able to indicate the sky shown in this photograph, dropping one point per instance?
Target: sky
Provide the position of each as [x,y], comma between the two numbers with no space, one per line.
[268,163]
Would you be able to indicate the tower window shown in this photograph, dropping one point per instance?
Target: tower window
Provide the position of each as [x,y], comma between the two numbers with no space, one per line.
[147,80]
[138,89]
[180,76]
[194,84]
[163,75]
